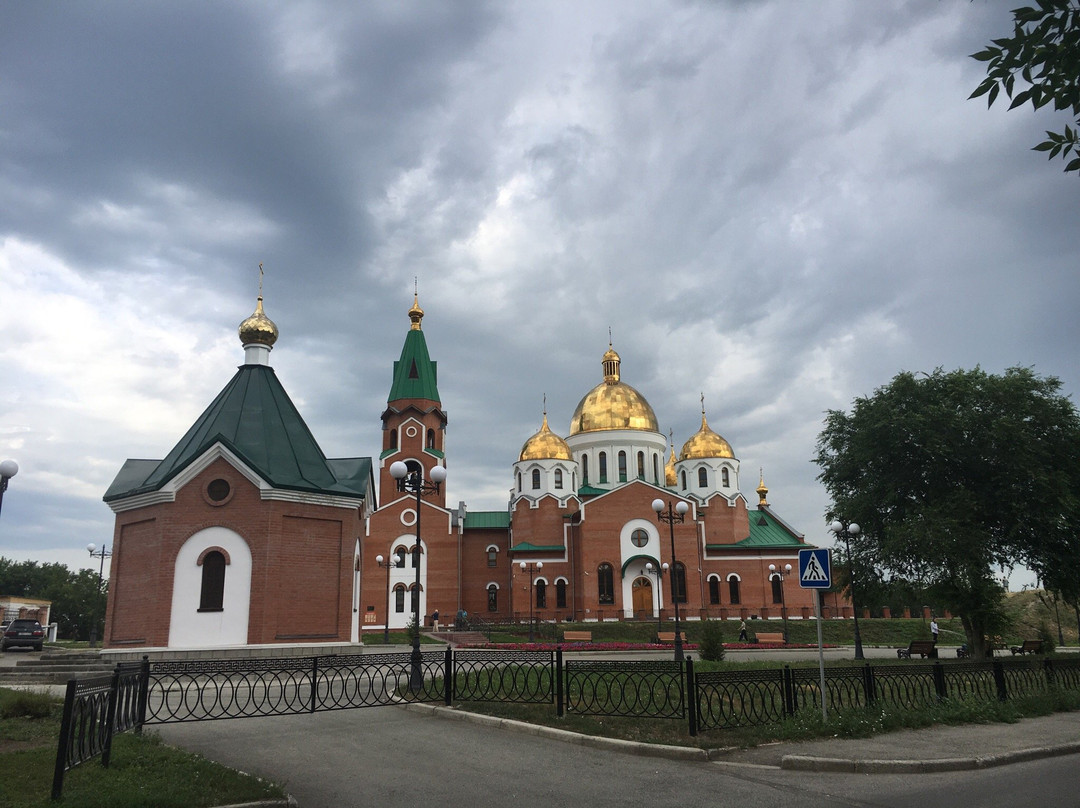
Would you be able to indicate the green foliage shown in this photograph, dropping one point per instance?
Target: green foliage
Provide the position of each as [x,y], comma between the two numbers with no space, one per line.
[26,704]
[1044,51]
[1047,637]
[954,476]
[711,644]
[412,630]
[77,599]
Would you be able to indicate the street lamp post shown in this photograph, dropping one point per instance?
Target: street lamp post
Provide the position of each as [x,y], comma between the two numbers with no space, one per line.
[782,573]
[532,570]
[389,565]
[838,528]
[673,516]
[8,469]
[103,553]
[658,572]
[412,482]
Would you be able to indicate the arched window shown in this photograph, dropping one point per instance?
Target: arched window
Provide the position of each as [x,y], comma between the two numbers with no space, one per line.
[605,583]
[724,478]
[603,467]
[641,465]
[733,589]
[703,477]
[558,479]
[393,438]
[399,598]
[431,438]
[639,538]
[536,479]
[493,598]
[560,593]
[678,582]
[400,553]
[541,594]
[519,481]
[414,600]
[656,469]
[684,478]
[777,589]
[493,556]
[714,590]
[622,467]
[584,469]
[212,596]
[416,556]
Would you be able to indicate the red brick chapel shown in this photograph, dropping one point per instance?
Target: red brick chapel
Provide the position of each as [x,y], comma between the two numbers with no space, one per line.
[247,534]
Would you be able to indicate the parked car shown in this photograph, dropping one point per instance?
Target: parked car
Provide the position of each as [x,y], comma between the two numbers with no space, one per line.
[23,632]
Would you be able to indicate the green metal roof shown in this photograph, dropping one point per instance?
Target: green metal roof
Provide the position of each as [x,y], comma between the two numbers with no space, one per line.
[415,375]
[256,420]
[766,530]
[527,547]
[487,519]
[589,491]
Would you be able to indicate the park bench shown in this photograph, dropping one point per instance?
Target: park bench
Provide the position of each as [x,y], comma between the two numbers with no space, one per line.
[776,637]
[668,637]
[1029,647]
[577,636]
[924,648]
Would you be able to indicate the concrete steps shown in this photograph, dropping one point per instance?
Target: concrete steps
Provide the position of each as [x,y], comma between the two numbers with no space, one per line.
[53,668]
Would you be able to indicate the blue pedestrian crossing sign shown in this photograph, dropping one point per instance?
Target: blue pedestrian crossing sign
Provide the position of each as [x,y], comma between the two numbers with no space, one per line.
[815,570]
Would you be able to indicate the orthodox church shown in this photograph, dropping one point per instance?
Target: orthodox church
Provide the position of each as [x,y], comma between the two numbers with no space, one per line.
[246,533]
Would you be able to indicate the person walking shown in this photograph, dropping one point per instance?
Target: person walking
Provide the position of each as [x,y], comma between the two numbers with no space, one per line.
[934,629]
[435,620]
[742,632]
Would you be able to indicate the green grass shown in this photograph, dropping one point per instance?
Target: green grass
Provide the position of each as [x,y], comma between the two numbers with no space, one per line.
[143,771]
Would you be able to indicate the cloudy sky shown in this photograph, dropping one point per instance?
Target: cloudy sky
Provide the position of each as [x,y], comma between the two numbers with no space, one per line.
[779,205]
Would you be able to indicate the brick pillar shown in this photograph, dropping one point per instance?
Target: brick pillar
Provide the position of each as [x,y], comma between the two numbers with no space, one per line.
[886,612]
[907,611]
[926,613]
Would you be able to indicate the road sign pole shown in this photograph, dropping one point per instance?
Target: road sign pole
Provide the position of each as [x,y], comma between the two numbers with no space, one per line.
[820,654]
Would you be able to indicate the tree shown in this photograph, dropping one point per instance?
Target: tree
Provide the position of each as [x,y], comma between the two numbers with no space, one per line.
[953,478]
[78,600]
[1044,51]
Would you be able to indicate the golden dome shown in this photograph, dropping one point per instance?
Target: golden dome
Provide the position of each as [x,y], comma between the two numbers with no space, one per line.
[671,479]
[612,404]
[416,314]
[545,445]
[762,491]
[258,329]
[705,443]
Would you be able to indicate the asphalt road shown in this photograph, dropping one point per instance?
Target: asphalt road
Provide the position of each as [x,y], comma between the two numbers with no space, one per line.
[389,757]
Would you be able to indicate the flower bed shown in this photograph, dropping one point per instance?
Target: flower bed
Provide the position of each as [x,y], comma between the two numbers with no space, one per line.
[576,646]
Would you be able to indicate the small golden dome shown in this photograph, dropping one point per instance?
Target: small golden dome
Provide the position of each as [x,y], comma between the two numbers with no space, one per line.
[416,314]
[671,479]
[545,445]
[613,404]
[705,443]
[258,329]
[762,491]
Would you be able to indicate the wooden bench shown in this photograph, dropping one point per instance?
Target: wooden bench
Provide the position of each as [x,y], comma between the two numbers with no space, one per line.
[577,636]
[668,637]
[771,638]
[1029,647]
[924,648]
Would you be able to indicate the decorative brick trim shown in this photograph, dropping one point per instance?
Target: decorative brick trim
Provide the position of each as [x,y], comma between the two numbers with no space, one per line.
[209,550]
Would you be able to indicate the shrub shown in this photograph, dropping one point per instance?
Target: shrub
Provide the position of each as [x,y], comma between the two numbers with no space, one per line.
[711,646]
[1047,638]
[26,703]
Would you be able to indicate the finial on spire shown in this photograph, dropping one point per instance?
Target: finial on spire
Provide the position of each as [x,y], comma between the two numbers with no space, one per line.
[260,280]
[609,343]
[762,491]
[545,405]
[416,314]
[703,403]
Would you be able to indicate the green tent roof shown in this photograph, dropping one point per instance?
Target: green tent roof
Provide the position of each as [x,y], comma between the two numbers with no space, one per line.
[528,547]
[415,375]
[256,420]
[766,530]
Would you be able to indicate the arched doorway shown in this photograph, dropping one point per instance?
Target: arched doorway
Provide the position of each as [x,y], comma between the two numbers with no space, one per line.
[642,597]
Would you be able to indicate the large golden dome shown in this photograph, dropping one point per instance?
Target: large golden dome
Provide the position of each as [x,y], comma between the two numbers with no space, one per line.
[612,404]
[705,443]
[258,329]
[545,445]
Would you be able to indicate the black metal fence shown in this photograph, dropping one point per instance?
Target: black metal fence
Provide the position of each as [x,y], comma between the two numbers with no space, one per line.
[139,694]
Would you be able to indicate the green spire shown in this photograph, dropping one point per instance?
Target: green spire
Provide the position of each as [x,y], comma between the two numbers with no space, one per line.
[415,375]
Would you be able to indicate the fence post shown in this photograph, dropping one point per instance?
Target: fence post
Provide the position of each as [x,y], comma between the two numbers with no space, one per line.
[691,696]
[558,673]
[789,691]
[144,691]
[999,679]
[869,685]
[314,683]
[64,743]
[939,681]
[110,715]
[449,677]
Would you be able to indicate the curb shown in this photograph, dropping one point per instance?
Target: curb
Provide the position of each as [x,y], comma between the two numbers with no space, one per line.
[806,763]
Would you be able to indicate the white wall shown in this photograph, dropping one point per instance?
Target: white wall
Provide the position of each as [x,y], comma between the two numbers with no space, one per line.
[190,628]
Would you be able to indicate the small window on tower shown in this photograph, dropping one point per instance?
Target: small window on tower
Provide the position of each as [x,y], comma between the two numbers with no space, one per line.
[558,478]
[702,478]
[536,479]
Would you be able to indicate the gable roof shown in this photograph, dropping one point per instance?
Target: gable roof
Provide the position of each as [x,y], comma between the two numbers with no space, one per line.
[255,419]
[766,530]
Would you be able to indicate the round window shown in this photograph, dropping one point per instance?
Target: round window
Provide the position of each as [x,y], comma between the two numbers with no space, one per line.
[639,537]
[218,490]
